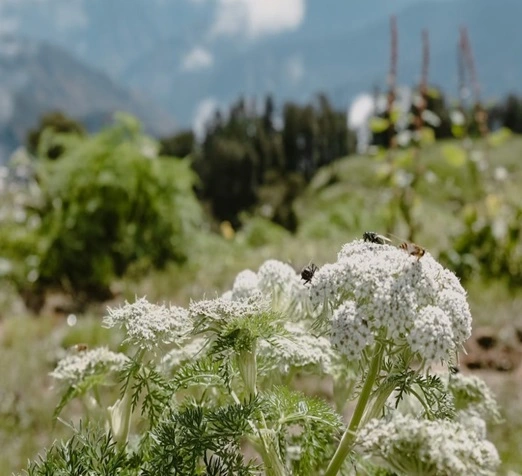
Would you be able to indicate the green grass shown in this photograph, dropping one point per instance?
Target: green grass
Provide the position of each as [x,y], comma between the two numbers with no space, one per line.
[342,202]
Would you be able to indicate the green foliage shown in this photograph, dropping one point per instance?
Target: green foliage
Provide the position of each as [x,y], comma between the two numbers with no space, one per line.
[228,174]
[242,152]
[40,140]
[198,439]
[110,202]
[379,124]
[258,232]
[307,422]
[489,242]
[454,155]
[178,145]
[89,451]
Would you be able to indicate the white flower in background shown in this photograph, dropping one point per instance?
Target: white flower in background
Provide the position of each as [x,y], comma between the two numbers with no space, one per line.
[471,420]
[429,117]
[404,138]
[501,174]
[275,276]
[148,325]
[411,446]
[75,367]
[379,291]
[284,286]
[178,356]
[403,179]
[472,394]
[245,285]
[457,117]
[224,309]
[299,349]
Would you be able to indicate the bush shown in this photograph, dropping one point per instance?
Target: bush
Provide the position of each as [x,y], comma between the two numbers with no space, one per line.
[110,201]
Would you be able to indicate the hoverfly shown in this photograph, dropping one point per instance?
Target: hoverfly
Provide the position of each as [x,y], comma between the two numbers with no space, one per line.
[308,273]
[413,250]
[373,237]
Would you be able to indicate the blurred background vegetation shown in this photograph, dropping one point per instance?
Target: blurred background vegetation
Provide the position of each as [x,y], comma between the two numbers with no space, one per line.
[91,216]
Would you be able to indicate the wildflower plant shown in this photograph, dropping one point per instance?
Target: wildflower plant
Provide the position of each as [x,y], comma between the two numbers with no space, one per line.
[210,389]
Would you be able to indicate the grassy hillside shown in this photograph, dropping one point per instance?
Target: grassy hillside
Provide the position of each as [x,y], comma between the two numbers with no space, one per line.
[342,202]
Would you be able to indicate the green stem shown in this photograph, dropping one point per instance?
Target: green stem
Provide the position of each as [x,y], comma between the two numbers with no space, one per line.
[120,413]
[378,404]
[349,435]
[247,364]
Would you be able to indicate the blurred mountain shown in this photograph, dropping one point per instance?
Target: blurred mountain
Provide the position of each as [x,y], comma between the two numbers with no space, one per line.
[170,50]
[37,77]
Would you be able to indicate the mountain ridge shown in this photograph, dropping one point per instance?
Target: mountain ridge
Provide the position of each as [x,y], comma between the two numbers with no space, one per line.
[38,77]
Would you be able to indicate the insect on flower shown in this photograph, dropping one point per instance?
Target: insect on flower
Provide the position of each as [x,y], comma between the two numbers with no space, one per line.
[413,250]
[373,237]
[80,347]
[308,273]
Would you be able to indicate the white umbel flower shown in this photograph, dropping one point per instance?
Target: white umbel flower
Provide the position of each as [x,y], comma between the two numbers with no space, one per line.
[431,335]
[178,356]
[472,394]
[76,367]
[275,276]
[350,332]
[225,309]
[297,350]
[148,325]
[245,285]
[381,291]
[284,286]
[410,446]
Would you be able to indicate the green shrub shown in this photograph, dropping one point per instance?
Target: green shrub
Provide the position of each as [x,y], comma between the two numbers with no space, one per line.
[110,201]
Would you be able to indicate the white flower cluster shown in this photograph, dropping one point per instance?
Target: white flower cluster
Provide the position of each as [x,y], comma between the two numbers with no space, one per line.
[246,285]
[277,281]
[381,291]
[472,420]
[299,349]
[411,446]
[75,367]
[225,309]
[178,356]
[148,325]
[471,394]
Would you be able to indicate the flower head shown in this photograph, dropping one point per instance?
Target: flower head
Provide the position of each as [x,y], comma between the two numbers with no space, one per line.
[225,309]
[76,367]
[284,286]
[472,394]
[412,446]
[376,290]
[147,325]
[178,356]
[245,285]
[298,349]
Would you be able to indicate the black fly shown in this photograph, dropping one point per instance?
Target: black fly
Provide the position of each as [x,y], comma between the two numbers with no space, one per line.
[373,237]
[308,272]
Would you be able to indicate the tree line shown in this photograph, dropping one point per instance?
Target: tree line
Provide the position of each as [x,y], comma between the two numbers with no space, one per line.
[252,154]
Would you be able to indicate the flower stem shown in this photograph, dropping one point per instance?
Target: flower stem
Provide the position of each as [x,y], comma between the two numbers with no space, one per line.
[247,363]
[349,435]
